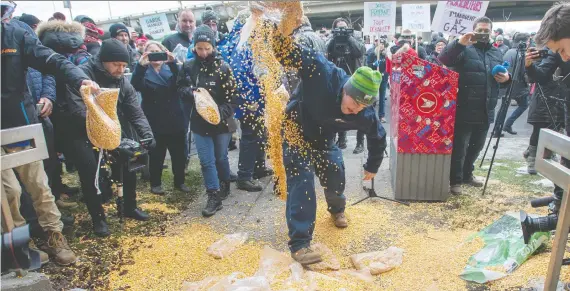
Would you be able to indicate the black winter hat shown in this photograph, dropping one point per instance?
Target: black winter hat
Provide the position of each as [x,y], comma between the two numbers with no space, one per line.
[29,19]
[112,50]
[117,28]
[209,15]
[204,33]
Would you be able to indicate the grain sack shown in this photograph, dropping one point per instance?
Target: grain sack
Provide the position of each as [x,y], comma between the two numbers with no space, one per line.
[102,122]
[206,106]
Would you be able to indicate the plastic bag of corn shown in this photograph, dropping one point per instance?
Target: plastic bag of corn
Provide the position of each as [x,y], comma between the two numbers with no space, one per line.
[378,262]
[234,282]
[227,245]
[273,263]
[102,122]
[206,106]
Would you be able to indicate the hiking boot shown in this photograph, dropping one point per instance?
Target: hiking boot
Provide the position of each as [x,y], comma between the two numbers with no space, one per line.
[262,173]
[340,220]
[213,205]
[307,256]
[183,188]
[224,189]
[136,214]
[100,227]
[358,149]
[510,130]
[58,248]
[44,257]
[233,176]
[473,181]
[455,189]
[157,190]
[62,204]
[249,186]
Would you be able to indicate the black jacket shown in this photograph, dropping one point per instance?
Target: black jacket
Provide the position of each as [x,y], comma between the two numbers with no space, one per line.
[160,100]
[131,116]
[215,76]
[478,90]
[21,50]
[172,40]
[351,61]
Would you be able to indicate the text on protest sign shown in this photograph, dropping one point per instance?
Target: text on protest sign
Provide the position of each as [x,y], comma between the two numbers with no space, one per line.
[380,18]
[457,17]
[155,25]
[416,17]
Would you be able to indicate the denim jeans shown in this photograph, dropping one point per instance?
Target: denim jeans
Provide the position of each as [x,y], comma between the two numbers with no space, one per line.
[301,208]
[251,151]
[382,96]
[213,155]
[522,102]
[468,142]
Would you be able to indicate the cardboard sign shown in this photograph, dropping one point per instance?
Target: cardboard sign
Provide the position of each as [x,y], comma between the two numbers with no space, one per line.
[457,17]
[155,25]
[380,18]
[416,17]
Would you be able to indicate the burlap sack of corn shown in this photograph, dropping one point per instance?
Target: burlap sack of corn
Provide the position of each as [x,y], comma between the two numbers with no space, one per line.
[103,126]
[206,106]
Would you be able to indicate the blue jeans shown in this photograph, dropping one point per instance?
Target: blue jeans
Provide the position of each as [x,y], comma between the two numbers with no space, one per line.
[213,155]
[301,208]
[251,151]
[522,101]
[382,96]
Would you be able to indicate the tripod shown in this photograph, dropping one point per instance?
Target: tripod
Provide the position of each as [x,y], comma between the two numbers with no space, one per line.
[498,129]
[372,194]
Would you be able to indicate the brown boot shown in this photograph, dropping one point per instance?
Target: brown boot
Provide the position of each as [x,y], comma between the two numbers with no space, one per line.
[307,256]
[58,248]
[44,257]
[340,220]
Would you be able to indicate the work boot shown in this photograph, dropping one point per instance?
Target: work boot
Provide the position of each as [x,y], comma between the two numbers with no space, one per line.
[136,214]
[224,189]
[341,142]
[100,227]
[307,256]
[262,173]
[340,220]
[510,130]
[249,186]
[44,257]
[473,181]
[233,176]
[183,188]
[213,205]
[455,189]
[58,248]
[157,190]
[530,160]
[358,149]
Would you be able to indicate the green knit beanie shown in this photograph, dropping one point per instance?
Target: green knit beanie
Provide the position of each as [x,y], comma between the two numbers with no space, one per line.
[364,85]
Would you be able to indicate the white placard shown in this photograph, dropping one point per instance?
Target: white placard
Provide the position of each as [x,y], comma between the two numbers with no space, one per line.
[155,25]
[457,17]
[416,17]
[380,18]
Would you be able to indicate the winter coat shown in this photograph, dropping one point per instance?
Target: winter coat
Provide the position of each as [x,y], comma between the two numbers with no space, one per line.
[478,89]
[160,100]
[541,109]
[353,60]
[318,104]
[306,36]
[133,121]
[503,48]
[21,50]
[172,40]
[214,75]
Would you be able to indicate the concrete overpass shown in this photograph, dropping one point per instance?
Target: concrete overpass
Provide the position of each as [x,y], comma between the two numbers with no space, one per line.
[322,13]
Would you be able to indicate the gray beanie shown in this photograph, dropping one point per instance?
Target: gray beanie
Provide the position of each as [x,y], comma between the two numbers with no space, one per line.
[204,33]
[209,15]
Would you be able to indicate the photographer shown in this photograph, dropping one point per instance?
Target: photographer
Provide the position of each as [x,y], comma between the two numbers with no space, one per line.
[473,57]
[107,68]
[346,52]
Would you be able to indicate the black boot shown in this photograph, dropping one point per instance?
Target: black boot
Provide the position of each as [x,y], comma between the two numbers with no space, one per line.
[509,130]
[358,149]
[213,205]
[136,214]
[249,186]
[100,227]
[224,189]
[262,173]
[341,142]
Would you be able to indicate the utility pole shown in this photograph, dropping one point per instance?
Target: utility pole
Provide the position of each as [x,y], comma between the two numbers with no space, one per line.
[110,13]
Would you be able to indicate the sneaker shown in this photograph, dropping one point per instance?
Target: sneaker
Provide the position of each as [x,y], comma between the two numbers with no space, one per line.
[62,204]
[137,214]
[358,149]
[44,257]
[262,173]
[340,220]
[183,188]
[100,227]
[213,205]
[473,181]
[249,186]
[455,189]
[224,189]
[157,190]
[58,248]
[233,176]
[307,256]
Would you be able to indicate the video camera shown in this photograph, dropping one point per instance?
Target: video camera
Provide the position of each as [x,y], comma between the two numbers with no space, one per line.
[530,225]
[341,37]
[133,154]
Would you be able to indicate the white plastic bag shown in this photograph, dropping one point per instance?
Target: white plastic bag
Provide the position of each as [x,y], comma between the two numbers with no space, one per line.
[180,53]
[102,123]
[378,262]
[227,245]
[206,106]
[272,263]
[234,282]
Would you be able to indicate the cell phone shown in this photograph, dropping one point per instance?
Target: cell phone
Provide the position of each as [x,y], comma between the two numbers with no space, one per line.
[40,107]
[157,57]
[481,37]
[543,53]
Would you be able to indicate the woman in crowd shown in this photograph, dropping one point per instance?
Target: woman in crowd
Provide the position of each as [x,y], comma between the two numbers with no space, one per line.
[439,45]
[208,71]
[156,80]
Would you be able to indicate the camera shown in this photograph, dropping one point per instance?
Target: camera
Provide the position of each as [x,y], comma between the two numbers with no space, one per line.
[341,36]
[133,154]
[522,46]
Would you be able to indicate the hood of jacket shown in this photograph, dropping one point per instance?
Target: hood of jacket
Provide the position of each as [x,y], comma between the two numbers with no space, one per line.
[60,36]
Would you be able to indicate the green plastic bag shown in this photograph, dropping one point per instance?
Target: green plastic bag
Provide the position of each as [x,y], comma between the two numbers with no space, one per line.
[504,250]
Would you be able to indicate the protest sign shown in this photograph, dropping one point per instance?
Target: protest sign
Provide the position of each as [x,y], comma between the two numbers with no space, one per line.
[457,17]
[155,25]
[380,18]
[416,17]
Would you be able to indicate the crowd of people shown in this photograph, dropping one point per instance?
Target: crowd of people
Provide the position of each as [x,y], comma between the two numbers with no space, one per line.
[156,103]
